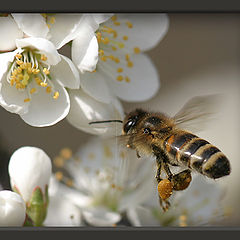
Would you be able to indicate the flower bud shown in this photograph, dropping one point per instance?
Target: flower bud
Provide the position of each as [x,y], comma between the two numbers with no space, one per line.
[12,209]
[29,167]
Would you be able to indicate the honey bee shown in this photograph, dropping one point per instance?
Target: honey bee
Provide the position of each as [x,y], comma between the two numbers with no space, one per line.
[155,133]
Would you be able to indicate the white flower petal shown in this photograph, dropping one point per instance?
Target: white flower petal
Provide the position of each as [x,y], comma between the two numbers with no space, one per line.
[100,18]
[146,32]
[94,85]
[12,209]
[43,45]
[9,32]
[32,24]
[85,51]
[101,216]
[66,73]
[64,29]
[28,168]
[44,110]
[144,80]
[61,212]
[12,99]
[85,109]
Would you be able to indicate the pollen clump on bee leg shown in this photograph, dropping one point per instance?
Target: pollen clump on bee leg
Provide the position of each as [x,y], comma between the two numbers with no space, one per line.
[165,188]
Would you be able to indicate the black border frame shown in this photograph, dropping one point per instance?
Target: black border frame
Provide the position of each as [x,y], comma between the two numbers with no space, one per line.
[151,6]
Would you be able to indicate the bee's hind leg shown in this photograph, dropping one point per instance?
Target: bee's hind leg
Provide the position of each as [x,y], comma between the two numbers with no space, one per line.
[167,170]
[165,204]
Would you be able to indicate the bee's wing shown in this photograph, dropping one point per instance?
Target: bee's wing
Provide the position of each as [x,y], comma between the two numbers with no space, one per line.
[197,112]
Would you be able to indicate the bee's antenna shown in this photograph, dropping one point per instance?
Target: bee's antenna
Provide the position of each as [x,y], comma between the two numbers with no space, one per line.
[106,121]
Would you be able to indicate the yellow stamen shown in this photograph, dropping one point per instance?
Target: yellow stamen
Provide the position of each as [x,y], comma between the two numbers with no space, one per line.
[46,71]
[59,175]
[130,64]
[114,48]
[38,81]
[125,38]
[114,18]
[48,89]
[136,50]
[119,70]
[106,40]
[121,45]
[18,55]
[103,58]
[43,84]
[27,100]
[116,60]
[101,52]
[43,57]
[66,153]
[19,70]
[127,79]
[19,62]
[52,20]
[127,57]
[35,71]
[120,78]
[129,24]
[33,90]
[69,183]
[116,23]
[56,95]
[58,162]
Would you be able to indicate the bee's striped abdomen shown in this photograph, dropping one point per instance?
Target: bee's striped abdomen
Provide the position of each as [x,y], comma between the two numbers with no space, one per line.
[198,154]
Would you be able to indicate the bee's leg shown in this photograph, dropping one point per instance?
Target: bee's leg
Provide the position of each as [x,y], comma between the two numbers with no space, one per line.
[159,165]
[167,170]
[138,156]
[165,204]
[181,180]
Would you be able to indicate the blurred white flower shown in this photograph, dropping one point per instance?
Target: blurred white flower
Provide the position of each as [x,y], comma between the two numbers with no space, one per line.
[106,181]
[29,168]
[32,81]
[61,212]
[199,205]
[12,209]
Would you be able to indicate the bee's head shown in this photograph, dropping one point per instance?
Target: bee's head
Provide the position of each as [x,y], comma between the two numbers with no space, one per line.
[131,120]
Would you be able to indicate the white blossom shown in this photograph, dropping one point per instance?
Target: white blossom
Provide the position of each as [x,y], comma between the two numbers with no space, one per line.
[12,209]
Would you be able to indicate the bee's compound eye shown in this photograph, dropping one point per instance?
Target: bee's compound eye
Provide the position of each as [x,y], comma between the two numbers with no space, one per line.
[128,125]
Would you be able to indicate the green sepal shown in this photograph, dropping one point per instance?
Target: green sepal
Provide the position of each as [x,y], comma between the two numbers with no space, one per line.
[37,206]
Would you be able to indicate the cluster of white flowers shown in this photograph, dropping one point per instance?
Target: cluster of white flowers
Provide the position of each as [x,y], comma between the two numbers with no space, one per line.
[106,64]
[105,185]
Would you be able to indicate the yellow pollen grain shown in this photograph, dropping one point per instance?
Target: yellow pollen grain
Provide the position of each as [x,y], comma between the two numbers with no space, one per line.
[125,38]
[114,48]
[114,18]
[129,24]
[120,78]
[127,57]
[106,40]
[43,84]
[43,57]
[48,25]
[59,175]
[33,90]
[29,70]
[66,153]
[46,71]
[136,50]
[12,81]
[127,79]
[119,70]
[27,100]
[130,64]
[38,81]
[113,185]
[19,70]
[56,95]
[48,89]
[23,66]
